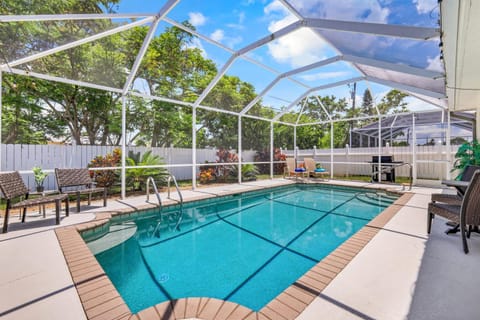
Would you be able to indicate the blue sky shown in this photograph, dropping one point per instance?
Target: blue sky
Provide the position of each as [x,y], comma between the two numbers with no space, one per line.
[236,24]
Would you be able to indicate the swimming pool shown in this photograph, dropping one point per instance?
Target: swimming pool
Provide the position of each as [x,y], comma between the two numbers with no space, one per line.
[245,249]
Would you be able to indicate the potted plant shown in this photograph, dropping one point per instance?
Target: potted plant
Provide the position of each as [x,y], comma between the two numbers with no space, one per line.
[467,154]
[39,176]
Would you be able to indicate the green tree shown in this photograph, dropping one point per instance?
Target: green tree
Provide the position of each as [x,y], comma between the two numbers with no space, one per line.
[367,103]
[171,68]
[83,112]
[393,102]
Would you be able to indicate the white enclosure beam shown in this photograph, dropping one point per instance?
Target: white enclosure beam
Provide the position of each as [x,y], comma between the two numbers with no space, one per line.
[414,150]
[79,42]
[140,55]
[301,111]
[438,104]
[327,86]
[291,9]
[394,67]
[311,66]
[381,29]
[273,36]
[323,108]
[448,147]
[332,132]
[72,17]
[124,147]
[61,80]
[147,96]
[194,148]
[239,140]
[146,42]
[215,80]
[260,95]
[271,150]
[404,87]
[288,74]
[197,34]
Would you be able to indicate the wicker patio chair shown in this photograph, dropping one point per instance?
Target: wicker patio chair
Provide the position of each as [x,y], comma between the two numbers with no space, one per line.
[12,186]
[78,182]
[467,214]
[292,170]
[312,170]
[456,199]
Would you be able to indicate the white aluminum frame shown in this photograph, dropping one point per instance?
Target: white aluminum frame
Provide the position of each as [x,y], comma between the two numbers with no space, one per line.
[397,31]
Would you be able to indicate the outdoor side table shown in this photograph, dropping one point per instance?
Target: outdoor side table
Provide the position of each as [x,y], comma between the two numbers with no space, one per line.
[41,207]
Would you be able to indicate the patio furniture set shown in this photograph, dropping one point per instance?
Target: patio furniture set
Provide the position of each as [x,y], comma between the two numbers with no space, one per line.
[308,167]
[69,182]
[463,208]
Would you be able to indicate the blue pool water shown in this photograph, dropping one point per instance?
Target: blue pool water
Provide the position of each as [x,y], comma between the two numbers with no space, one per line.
[246,249]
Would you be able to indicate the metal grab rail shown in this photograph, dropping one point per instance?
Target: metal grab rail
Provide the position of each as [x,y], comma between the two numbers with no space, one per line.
[180,215]
[150,180]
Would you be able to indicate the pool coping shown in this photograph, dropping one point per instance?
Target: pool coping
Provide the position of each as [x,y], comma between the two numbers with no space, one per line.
[101,300]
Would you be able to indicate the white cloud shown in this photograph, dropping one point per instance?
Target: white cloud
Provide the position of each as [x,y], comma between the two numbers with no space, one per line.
[350,10]
[231,42]
[425,6]
[218,35]
[415,104]
[239,25]
[241,17]
[196,19]
[324,75]
[298,48]
[435,64]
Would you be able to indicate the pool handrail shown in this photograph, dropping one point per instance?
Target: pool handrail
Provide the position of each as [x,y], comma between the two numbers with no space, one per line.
[150,180]
[180,216]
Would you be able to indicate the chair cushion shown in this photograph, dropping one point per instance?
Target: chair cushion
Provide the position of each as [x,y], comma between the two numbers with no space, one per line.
[300,170]
[320,170]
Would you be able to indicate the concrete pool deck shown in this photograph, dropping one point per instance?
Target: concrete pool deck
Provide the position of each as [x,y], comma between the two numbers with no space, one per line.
[400,273]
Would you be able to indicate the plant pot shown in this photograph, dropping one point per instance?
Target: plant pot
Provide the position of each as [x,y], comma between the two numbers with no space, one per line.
[40,188]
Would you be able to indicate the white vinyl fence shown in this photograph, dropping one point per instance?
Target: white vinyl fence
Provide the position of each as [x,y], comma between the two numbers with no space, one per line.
[23,158]
[432,162]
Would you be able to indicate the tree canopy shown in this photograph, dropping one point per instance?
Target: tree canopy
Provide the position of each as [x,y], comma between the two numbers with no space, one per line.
[38,111]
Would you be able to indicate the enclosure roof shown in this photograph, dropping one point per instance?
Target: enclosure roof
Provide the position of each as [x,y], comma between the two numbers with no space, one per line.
[397,123]
[289,49]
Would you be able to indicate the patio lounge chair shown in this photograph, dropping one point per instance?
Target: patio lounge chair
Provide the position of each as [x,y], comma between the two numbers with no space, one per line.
[312,170]
[12,186]
[78,182]
[456,199]
[466,214]
[292,170]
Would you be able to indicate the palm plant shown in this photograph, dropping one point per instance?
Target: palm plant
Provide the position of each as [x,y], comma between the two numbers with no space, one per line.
[467,154]
[249,172]
[138,176]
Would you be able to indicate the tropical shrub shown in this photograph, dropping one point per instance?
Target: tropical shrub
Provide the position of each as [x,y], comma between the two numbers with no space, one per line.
[249,172]
[264,156]
[105,178]
[136,177]
[207,174]
[216,173]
